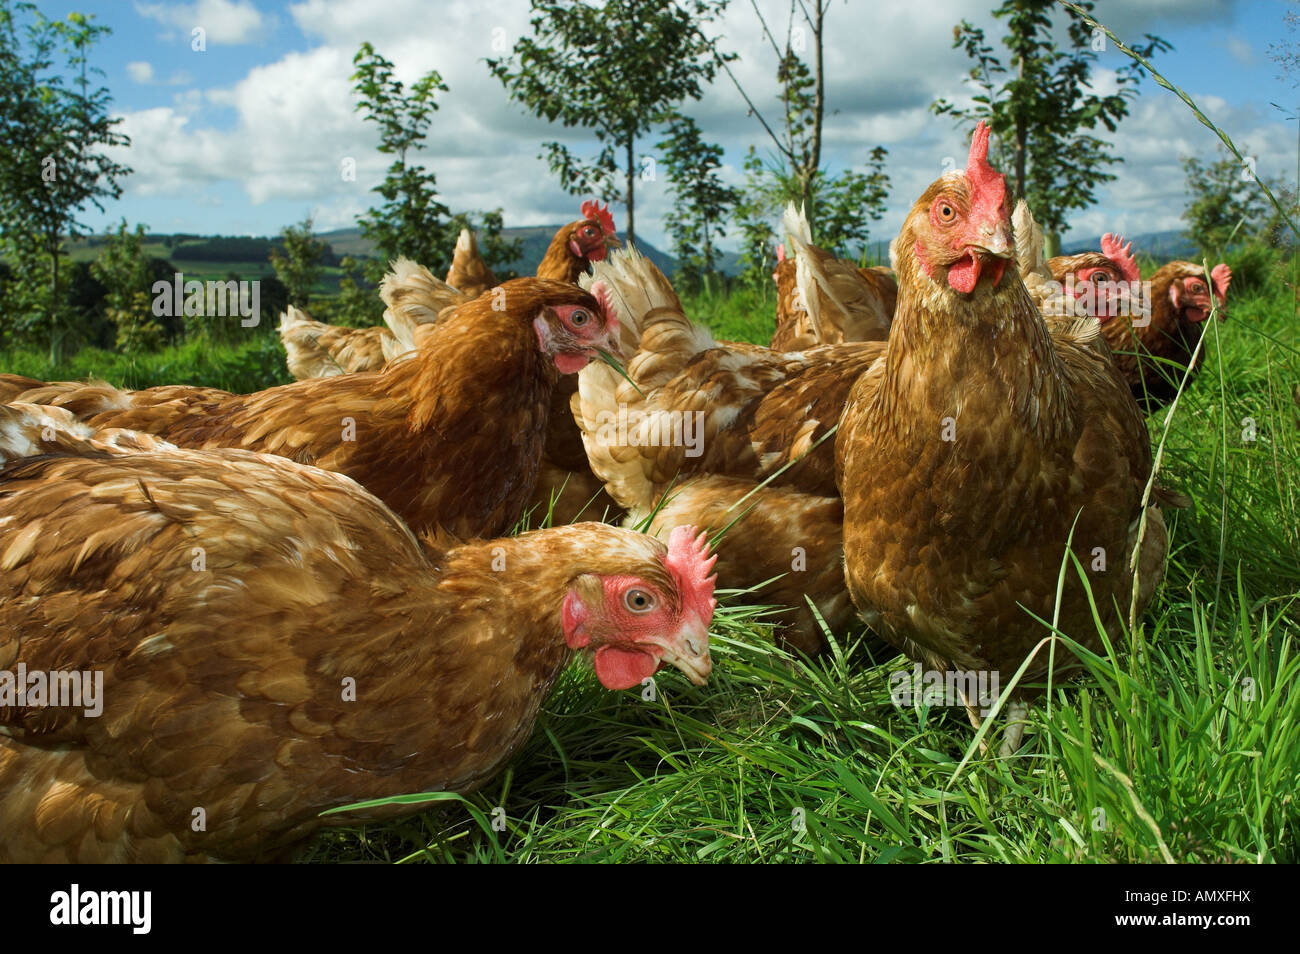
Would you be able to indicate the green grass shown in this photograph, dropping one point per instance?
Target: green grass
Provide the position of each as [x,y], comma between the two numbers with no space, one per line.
[744,314]
[250,365]
[1181,743]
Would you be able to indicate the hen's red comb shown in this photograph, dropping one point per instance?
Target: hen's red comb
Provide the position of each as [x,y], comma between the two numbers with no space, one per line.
[1221,275]
[988,187]
[591,209]
[690,564]
[1113,247]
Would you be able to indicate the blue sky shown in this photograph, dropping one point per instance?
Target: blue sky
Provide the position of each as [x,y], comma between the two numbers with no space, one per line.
[248,135]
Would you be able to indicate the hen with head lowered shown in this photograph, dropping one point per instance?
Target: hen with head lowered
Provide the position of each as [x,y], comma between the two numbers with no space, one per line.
[257,641]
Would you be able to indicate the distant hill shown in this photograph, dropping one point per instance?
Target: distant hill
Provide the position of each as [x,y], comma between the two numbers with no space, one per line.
[216,252]
[536,238]
[1162,246]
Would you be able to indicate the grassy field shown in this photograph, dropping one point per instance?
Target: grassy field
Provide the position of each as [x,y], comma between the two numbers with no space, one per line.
[1182,744]
[250,365]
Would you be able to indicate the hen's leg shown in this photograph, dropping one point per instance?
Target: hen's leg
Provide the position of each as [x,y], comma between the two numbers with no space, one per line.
[1017,719]
[1017,713]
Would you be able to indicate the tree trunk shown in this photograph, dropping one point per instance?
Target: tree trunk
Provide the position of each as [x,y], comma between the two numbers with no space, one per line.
[1051,244]
[631,193]
[708,256]
[819,109]
[1022,135]
[819,98]
[55,350]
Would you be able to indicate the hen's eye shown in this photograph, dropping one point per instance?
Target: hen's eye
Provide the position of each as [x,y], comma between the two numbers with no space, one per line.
[1196,288]
[589,232]
[638,601]
[579,318]
[946,212]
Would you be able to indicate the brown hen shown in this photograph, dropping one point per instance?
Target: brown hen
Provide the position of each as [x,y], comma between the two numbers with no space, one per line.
[316,350]
[694,406]
[271,642]
[450,439]
[985,450]
[1154,356]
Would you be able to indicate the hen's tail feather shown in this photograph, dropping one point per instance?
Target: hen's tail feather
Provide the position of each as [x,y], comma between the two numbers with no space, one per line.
[1030,247]
[305,356]
[293,317]
[1031,261]
[468,267]
[809,275]
[413,297]
[795,223]
[654,332]
[854,307]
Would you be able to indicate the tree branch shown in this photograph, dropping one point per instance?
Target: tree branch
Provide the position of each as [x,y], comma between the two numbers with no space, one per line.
[766,32]
[749,102]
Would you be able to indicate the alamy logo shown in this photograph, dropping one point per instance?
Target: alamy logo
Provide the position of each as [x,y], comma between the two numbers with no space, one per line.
[635,428]
[57,688]
[211,299]
[931,687]
[103,907]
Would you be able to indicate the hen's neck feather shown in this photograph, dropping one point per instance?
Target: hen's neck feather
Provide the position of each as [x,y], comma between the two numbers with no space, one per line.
[497,348]
[946,352]
[559,263]
[481,639]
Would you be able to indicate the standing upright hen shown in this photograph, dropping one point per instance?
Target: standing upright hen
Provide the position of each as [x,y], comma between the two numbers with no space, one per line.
[578,244]
[318,655]
[985,449]
[450,439]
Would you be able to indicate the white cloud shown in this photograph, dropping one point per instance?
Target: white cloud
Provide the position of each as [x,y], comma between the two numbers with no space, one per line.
[224,21]
[282,130]
[140,72]
[1241,51]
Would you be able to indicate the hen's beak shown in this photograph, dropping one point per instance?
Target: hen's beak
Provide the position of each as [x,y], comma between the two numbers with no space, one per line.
[997,245]
[610,343]
[687,648]
[994,240]
[611,241]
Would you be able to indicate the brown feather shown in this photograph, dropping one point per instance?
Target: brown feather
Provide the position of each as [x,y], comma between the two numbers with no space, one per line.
[468,272]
